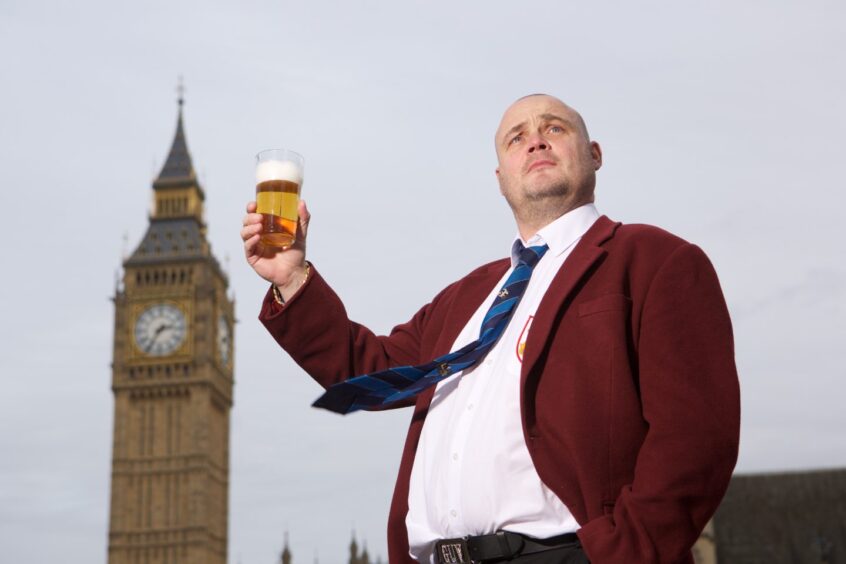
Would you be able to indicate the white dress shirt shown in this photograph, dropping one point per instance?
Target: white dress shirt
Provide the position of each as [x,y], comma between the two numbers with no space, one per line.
[472,471]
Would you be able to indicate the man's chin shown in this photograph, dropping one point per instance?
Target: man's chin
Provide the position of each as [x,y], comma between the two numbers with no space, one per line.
[540,192]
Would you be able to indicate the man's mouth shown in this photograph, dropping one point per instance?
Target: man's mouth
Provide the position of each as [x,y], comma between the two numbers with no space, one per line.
[539,164]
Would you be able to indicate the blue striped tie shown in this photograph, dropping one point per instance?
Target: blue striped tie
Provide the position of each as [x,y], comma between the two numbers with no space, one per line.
[394,384]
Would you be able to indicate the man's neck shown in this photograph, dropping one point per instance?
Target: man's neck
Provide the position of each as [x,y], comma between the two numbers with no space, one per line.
[533,219]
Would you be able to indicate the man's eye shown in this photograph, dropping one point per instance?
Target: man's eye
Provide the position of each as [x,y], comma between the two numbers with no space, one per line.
[556,129]
[515,139]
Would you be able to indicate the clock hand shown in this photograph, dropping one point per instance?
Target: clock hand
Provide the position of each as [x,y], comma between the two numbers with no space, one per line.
[159,331]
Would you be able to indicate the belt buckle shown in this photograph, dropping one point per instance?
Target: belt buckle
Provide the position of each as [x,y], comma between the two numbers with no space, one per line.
[453,551]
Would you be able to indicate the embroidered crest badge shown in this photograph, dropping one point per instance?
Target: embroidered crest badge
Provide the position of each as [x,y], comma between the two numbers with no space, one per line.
[524,335]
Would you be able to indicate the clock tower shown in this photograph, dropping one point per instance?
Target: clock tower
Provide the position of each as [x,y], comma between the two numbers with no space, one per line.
[172,378]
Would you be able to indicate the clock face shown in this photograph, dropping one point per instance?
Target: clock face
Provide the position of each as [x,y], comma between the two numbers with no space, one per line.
[224,340]
[160,329]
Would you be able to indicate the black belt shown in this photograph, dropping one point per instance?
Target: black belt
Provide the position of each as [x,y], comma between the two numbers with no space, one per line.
[502,545]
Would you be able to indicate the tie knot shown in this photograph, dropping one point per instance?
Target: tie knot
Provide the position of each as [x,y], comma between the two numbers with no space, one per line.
[531,255]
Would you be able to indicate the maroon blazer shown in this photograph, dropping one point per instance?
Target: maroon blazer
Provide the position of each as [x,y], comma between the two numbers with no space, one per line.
[630,397]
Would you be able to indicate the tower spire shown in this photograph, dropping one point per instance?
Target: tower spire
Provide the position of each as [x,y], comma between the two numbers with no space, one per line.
[180,91]
[285,558]
[178,163]
[353,550]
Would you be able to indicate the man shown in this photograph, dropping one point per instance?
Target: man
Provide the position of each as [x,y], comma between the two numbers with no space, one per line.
[601,425]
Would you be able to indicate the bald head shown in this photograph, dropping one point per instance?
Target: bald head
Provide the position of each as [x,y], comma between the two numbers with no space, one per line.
[553,102]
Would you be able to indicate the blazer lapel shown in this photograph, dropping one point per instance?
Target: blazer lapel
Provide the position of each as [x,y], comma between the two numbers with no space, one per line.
[586,253]
[475,288]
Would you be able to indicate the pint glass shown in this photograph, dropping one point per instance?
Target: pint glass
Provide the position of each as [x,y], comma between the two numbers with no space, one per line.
[279,177]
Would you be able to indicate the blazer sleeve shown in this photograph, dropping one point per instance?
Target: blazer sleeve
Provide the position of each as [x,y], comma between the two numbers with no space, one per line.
[691,401]
[313,327]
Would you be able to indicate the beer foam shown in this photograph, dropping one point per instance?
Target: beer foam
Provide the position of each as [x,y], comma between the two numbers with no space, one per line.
[279,170]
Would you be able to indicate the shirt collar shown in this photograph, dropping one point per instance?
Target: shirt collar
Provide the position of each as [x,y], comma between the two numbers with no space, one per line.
[561,234]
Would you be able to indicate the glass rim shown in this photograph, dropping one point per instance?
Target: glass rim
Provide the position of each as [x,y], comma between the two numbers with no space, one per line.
[281,154]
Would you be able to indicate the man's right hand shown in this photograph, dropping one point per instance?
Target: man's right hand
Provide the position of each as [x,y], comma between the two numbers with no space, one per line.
[284,268]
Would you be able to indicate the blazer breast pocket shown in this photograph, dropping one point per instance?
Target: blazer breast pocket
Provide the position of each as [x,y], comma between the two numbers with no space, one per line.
[608,302]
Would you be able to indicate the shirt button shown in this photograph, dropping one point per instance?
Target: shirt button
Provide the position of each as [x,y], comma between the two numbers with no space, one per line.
[488,361]
[455,456]
[453,512]
[469,406]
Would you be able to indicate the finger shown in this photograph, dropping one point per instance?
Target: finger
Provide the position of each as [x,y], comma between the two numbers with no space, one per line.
[251,207]
[250,245]
[252,218]
[249,231]
[305,217]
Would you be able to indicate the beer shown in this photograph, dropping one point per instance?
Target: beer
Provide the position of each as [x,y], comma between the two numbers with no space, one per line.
[277,195]
[277,203]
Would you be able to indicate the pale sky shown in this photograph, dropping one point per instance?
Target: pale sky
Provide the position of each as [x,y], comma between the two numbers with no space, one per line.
[722,123]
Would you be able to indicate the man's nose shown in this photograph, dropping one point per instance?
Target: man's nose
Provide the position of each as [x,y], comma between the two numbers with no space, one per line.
[538,143]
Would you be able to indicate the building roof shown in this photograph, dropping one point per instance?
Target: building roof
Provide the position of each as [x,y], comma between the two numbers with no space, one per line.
[789,518]
[170,239]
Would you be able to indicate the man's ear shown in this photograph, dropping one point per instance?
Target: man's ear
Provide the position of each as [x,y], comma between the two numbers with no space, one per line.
[596,155]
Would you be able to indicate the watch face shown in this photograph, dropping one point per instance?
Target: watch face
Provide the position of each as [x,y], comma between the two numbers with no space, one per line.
[160,329]
[224,341]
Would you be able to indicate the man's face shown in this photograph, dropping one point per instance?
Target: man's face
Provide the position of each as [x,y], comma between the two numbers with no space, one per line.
[544,154]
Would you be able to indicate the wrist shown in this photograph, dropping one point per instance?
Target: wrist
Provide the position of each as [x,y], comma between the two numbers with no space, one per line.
[284,292]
